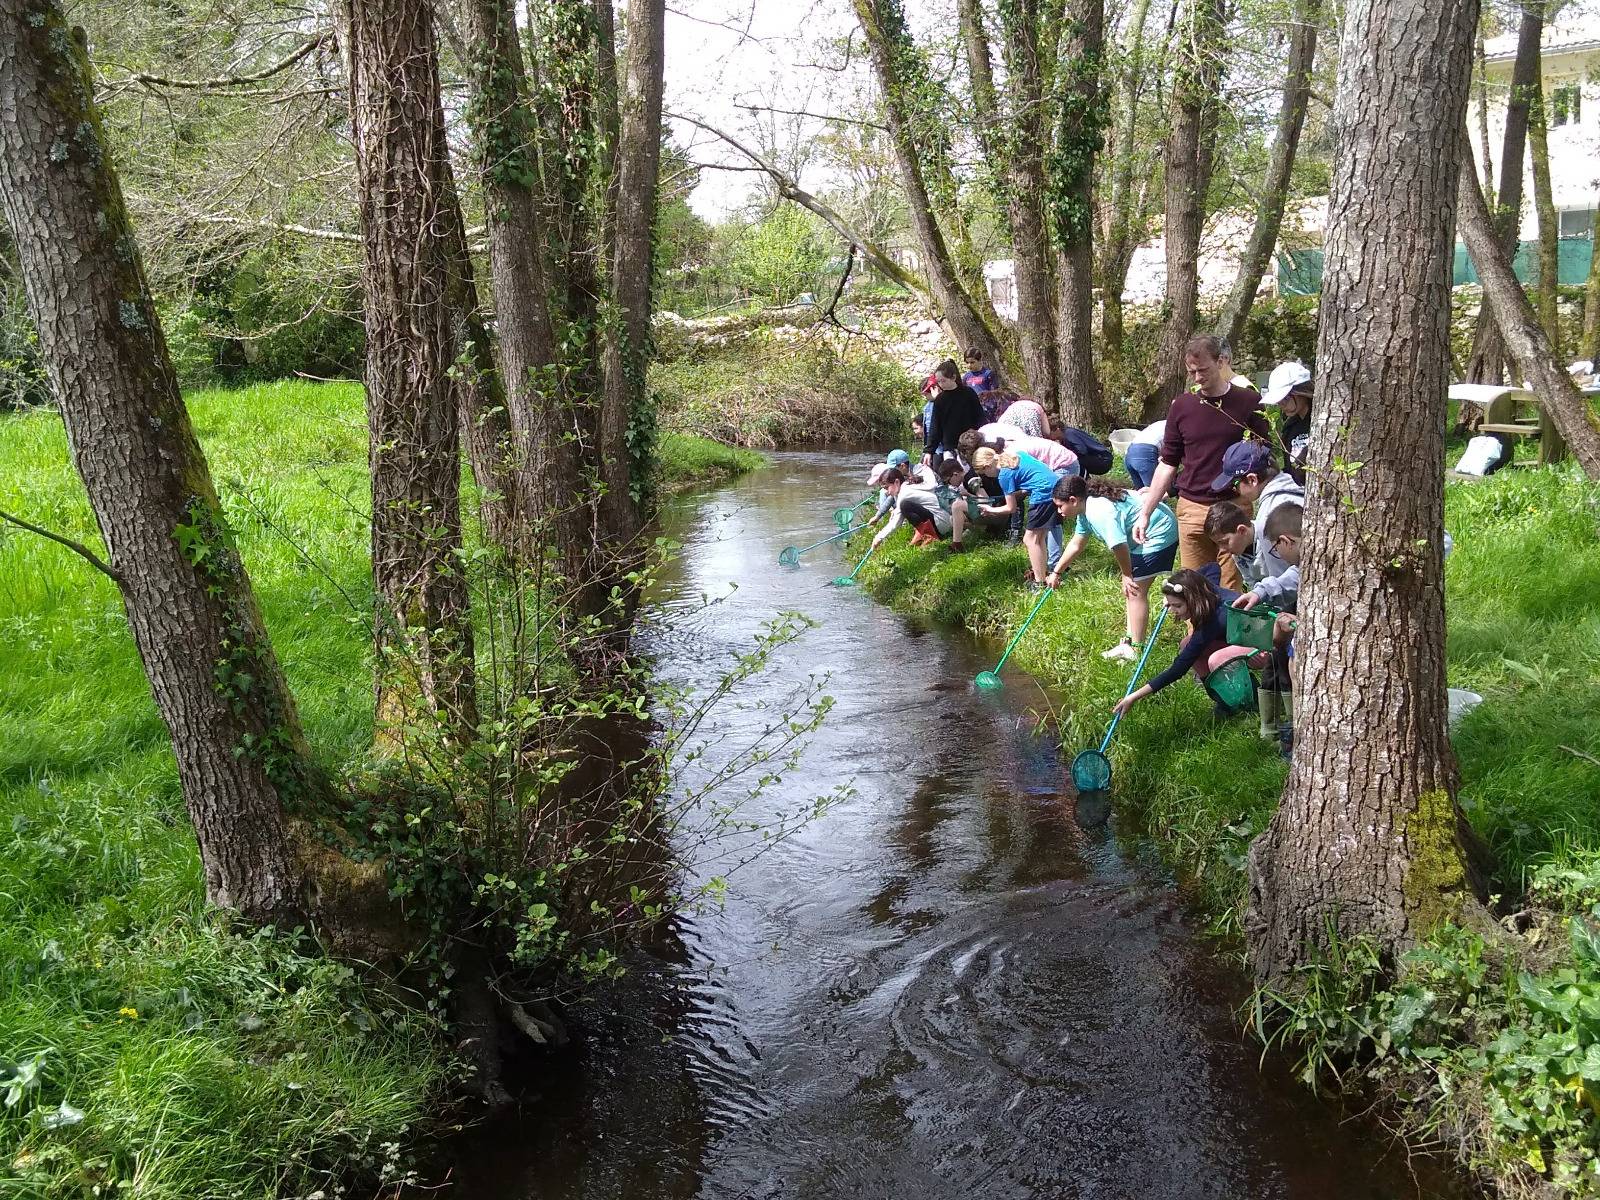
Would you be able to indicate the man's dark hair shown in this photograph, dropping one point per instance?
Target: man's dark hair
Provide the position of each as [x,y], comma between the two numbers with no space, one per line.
[948,369]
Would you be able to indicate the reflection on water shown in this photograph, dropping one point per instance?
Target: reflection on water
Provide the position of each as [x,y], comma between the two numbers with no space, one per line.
[952,985]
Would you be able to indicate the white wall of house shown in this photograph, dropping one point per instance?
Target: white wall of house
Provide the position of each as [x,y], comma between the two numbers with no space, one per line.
[1571,73]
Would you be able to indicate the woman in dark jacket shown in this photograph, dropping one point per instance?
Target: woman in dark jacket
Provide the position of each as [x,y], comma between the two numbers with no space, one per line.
[955,410]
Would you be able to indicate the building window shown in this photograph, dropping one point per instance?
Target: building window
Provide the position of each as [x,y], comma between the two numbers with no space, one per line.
[1566,104]
[1577,223]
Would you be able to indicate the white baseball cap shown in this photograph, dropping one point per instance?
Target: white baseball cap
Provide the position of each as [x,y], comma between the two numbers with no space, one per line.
[1284,379]
[875,476]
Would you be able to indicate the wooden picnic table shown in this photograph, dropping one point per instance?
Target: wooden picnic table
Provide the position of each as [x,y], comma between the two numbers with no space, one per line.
[1504,416]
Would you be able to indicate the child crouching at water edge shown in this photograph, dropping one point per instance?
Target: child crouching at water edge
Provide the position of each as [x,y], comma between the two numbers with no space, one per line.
[1108,511]
[1192,597]
[1022,475]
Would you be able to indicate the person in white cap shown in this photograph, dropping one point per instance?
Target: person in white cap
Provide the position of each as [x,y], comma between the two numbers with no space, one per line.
[1289,390]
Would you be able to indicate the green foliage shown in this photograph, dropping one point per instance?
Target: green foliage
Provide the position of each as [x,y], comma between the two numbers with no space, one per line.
[760,390]
[781,255]
[686,461]
[23,382]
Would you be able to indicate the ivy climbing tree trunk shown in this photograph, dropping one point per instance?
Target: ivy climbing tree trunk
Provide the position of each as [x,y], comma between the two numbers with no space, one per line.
[544,427]
[1368,840]
[1127,206]
[888,45]
[1537,360]
[1304,20]
[1023,141]
[627,423]
[423,627]
[243,762]
[1191,144]
[1544,207]
[1487,363]
[1078,136]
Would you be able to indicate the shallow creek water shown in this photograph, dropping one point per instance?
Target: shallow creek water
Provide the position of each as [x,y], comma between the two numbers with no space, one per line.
[947,986]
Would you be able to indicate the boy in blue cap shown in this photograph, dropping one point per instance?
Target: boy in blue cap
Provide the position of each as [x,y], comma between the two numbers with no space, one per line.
[1250,472]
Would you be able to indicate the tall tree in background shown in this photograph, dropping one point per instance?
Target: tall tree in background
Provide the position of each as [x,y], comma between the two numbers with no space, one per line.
[1190,150]
[1537,360]
[1368,839]
[1305,17]
[1079,134]
[1590,347]
[1544,205]
[899,72]
[1487,363]
[423,627]
[1013,139]
[1124,214]
[243,761]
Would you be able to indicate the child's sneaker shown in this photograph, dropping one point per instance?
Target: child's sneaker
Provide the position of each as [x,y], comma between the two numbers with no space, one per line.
[1125,650]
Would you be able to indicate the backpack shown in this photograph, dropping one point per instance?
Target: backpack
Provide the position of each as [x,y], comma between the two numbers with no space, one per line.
[1094,456]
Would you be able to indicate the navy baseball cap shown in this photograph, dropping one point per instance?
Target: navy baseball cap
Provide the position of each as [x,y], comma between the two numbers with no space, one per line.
[1241,459]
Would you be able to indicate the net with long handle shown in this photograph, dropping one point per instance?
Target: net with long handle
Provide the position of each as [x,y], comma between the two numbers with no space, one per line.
[789,556]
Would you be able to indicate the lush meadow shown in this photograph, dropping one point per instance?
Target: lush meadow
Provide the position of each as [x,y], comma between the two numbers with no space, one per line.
[147,1049]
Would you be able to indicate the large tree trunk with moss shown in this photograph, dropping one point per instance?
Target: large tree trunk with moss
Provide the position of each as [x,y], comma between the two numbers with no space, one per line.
[422,627]
[1544,207]
[1368,840]
[1487,362]
[1191,144]
[1304,19]
[543,425]
[888,45]
[626,424]
[1537,361]
[243,762]
[1077,138]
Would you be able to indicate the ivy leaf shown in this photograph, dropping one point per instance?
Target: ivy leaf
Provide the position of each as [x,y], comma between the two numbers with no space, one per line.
[1410,1008]
[1585,944]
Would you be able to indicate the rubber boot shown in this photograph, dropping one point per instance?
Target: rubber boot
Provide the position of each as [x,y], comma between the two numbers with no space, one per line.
[1267,705]
[928,532]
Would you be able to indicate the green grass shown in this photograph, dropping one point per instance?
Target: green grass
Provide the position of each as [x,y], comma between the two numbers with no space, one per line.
[1467,1049]
[684,461]
[204,1064]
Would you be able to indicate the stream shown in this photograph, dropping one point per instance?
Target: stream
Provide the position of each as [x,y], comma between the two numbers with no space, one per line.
[948,985]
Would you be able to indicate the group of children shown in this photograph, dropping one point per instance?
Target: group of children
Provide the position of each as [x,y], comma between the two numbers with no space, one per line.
[1003,465]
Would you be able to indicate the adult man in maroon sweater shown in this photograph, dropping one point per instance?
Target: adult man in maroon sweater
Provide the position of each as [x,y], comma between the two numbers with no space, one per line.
[1201,425]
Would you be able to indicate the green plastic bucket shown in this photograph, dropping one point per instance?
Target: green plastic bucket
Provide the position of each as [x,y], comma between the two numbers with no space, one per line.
[1251,627]
[1232,685]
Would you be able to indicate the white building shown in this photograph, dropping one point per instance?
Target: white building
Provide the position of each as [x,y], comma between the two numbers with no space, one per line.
[1571,68]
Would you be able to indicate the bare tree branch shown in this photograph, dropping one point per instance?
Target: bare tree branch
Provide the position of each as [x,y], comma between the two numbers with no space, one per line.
[800,112]
[233,81]
[78,548]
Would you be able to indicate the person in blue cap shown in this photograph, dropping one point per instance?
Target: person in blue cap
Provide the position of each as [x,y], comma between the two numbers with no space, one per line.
[1250,472]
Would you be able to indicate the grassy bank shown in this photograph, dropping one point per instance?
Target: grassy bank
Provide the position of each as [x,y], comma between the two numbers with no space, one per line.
[150,1052]
[1506,1064]
[686,461]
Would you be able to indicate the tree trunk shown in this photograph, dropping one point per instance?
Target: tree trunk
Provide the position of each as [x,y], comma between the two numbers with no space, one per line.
[1026,139]
[1080,123]
[543,424]
[243,761]
[1191,142]
[423,626]
[480,393]
[1368,840]
[888,44]
[1125,226]
[1481,79]
[1590,348]
[1307,14]
[1530,345]
[626,424]
[1487,363]
[1544,207]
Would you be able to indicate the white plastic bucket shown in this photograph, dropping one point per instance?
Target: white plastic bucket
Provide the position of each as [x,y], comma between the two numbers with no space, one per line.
[1121,439]
[1461,703]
